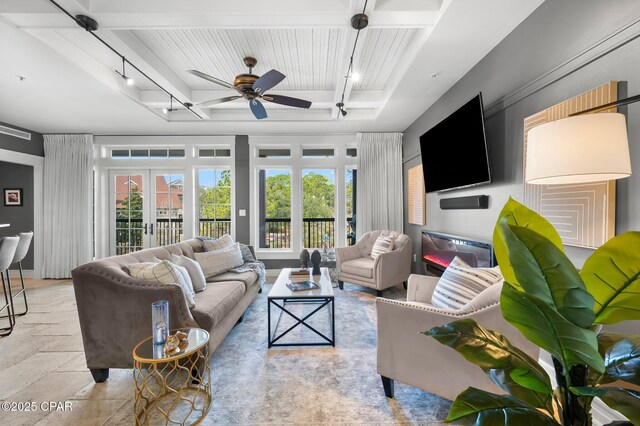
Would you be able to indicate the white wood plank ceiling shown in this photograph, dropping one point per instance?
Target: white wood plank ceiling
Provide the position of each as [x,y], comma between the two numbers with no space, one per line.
[309,41]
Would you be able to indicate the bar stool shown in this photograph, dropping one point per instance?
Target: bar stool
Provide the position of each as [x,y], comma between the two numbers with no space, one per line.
[21,253]
[8,247]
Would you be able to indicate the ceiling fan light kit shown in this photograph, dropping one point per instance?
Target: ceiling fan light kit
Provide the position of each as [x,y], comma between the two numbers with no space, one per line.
[252,88]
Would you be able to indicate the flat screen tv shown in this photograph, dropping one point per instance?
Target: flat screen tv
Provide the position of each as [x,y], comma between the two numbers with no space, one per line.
[454,151]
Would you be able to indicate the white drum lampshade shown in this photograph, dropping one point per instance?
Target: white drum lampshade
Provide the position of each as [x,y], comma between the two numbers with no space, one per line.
[582,148]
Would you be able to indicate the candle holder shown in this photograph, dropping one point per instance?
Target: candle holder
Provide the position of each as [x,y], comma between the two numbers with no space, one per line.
[160,321]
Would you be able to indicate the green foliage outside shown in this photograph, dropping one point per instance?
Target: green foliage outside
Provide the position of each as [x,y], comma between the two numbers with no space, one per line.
[215,201]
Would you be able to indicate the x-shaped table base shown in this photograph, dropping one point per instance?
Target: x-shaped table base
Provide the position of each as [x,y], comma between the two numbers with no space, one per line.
[321,301]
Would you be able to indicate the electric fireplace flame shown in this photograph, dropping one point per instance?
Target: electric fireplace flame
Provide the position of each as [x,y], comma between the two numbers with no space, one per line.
[438,250]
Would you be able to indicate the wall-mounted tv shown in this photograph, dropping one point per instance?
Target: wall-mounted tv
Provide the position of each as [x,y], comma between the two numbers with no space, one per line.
[454,151]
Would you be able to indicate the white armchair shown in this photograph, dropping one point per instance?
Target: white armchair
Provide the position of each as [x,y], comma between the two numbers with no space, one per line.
[412,358]
[355,265]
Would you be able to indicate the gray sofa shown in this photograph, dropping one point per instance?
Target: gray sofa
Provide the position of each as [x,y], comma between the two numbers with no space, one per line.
[115,309]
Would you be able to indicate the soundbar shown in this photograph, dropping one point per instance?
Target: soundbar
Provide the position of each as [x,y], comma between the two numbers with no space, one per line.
[472,202]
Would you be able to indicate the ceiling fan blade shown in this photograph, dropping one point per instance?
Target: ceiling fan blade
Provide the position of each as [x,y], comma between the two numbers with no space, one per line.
[258,109]
[218,101]
[268,80]
[212,79]
[286,100]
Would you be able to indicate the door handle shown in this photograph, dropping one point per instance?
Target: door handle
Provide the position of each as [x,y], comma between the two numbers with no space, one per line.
[151,229]
[145,228]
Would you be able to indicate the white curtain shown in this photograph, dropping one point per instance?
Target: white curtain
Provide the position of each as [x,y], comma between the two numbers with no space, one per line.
[380,204]
[68,182]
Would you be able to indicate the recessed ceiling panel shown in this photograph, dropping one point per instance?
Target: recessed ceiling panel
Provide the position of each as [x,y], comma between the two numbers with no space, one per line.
[311,58]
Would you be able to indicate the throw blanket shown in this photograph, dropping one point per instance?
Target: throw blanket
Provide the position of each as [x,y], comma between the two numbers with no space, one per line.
[251,264]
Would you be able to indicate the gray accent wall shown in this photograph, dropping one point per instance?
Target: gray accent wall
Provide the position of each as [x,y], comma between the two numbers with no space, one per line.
[242,180]
[555,54]
[20,217]
[34,147]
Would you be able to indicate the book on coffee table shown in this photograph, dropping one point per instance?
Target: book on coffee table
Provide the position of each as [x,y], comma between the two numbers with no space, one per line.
[300,272]
[302,285]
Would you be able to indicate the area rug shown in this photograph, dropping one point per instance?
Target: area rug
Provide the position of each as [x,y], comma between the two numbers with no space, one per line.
[313,385]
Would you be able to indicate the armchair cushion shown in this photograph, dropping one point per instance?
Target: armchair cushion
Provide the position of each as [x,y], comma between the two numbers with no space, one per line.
[361,267]
[383,244]
[460,283]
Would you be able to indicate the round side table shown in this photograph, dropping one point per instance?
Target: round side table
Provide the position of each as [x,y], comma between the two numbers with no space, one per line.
[173,389]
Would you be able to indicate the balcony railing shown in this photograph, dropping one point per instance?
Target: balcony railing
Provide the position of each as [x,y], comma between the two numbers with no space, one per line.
[277,232]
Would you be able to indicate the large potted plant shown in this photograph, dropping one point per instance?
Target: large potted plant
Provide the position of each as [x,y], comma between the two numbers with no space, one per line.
[561,310]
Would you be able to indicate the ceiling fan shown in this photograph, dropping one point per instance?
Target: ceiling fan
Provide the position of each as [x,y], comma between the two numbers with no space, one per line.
[252,88]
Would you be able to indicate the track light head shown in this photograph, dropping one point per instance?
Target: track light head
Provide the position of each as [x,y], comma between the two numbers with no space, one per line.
[165,110]
[343,112]
[129,80]
[340,106]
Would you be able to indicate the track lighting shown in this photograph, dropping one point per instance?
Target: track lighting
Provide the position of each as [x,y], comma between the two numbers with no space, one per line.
[91,25]
[359,22]
[129,80]
[165,110]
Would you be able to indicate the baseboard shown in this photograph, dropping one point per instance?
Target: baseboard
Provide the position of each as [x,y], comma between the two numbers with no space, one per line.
[600,412]
[27,273]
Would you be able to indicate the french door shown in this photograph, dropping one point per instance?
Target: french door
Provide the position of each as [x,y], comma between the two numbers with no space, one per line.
[146,209]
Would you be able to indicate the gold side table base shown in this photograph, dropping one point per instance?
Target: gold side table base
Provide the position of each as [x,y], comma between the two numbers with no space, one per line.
[173,391]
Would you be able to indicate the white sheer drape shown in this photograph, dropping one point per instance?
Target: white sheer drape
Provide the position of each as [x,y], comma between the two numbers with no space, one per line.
[380,204]
[68,182]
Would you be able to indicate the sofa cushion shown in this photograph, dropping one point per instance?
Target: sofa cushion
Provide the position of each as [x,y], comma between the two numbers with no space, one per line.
[460,283]
[362,267]
[213,305]
[217,243]
[248,278]
[196,275]
[164,272]
[219,261]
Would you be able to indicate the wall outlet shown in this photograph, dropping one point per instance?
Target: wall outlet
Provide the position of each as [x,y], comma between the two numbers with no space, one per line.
[414,258]
[242,212]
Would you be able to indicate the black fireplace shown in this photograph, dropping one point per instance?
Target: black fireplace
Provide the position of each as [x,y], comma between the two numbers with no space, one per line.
[439,249]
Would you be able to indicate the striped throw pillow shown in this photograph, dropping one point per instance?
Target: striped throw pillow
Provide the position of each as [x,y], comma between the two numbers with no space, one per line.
[220,261]
[382,245]
[217,244]
[460,283]
[164,272]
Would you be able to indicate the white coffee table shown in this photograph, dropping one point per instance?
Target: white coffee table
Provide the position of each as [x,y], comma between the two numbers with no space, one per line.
[280,296]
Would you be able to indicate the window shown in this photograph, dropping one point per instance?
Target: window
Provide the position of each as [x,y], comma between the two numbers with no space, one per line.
[128,217]
[213,153]
[318,207]
[352,152]
[214,199]
[274,153]
[148,153]
[274,208]
[318,152]
[351,180]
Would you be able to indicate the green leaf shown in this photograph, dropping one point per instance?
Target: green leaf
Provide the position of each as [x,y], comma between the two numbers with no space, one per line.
[612,275]
[544,271]
[478,407]
[626,401]
[621,357]
[511,369]
[544,326]
[519,215]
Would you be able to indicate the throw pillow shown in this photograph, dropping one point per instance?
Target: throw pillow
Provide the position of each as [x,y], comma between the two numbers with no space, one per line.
[217,244]
[460,283]
[247,256]
[382,245]
[193,268]
[164,272]
[219,261]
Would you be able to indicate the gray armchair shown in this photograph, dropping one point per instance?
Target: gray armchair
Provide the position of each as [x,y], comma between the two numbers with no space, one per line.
[412,358]
[355,265]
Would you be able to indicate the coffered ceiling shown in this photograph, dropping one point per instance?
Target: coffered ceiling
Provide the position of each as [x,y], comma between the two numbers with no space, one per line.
[310,41]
